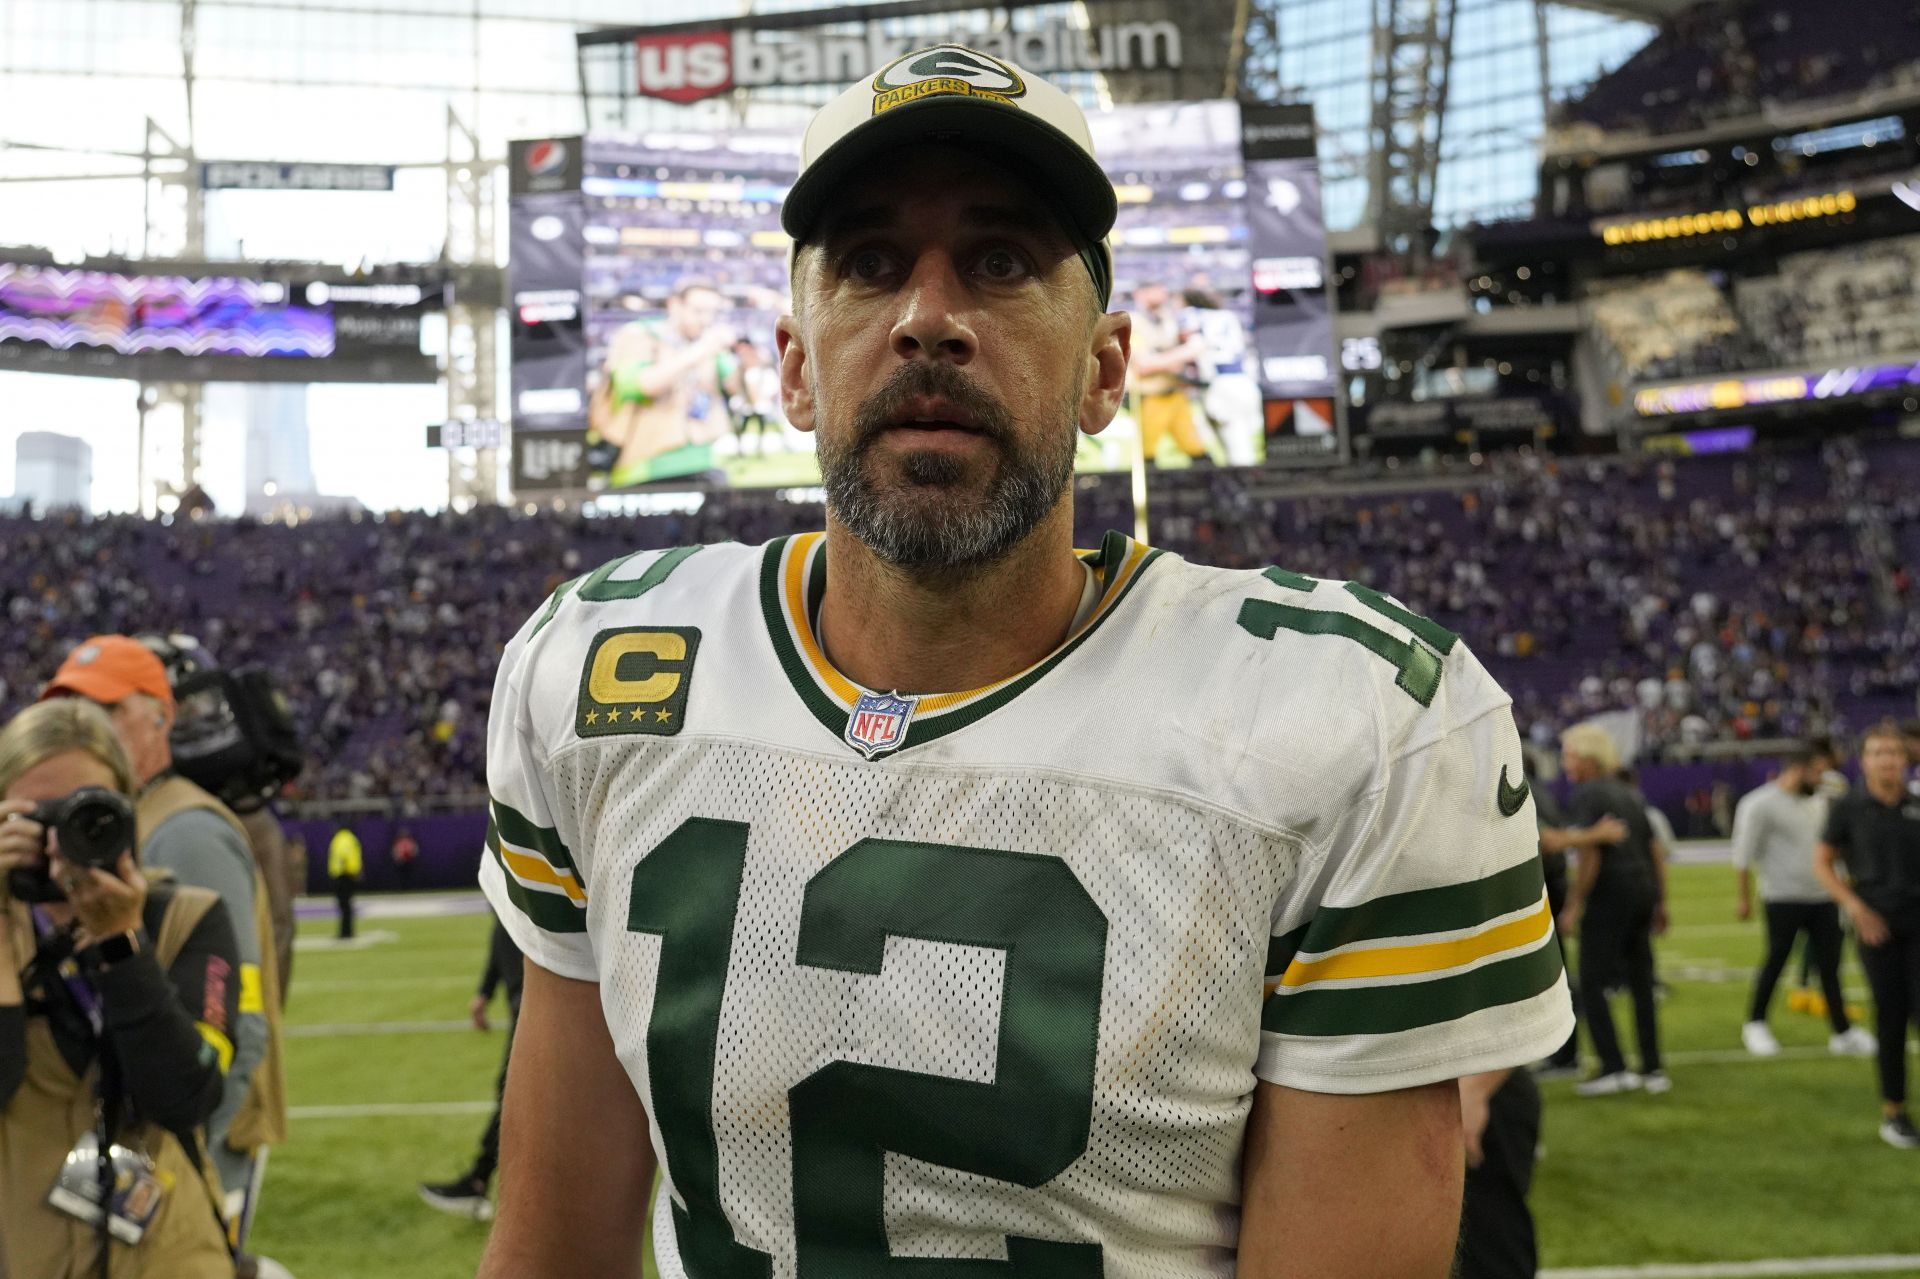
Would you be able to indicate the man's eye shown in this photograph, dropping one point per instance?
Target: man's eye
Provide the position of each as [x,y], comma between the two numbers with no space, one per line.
[866,264]
[1002,265]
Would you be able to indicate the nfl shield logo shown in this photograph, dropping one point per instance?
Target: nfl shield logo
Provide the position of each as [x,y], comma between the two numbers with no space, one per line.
[879,722]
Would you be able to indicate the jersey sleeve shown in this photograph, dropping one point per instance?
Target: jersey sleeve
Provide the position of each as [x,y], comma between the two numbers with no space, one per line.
[1419,946]
[529,875]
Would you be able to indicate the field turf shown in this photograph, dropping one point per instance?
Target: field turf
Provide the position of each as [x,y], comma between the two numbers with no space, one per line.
[1744,1159]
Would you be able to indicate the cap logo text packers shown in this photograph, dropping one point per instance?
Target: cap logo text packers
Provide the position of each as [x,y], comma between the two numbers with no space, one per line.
[947,70]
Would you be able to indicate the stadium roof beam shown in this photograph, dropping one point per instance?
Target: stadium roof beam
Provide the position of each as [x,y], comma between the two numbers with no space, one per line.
[1638,10]
[1413,54]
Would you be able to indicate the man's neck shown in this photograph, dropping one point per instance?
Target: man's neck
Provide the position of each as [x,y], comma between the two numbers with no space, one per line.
[887,629]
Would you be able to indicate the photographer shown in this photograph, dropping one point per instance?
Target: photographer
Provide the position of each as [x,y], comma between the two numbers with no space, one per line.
[185,830]
[116,1002]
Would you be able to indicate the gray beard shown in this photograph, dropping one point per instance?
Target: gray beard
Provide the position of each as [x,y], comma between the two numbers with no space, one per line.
[920,524]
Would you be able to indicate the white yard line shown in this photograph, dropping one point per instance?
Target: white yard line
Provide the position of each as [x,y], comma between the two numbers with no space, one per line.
[303,987]
[330,1030]
[391,1110]
[1785,1267]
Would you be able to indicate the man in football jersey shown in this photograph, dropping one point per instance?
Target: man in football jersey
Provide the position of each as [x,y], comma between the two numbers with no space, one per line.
[662,398]
[924,894]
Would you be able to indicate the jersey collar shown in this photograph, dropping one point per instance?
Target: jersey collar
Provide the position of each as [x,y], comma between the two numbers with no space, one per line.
[793,578]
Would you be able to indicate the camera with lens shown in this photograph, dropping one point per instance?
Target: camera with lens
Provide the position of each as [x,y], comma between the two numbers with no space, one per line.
[233,732]
[95,826]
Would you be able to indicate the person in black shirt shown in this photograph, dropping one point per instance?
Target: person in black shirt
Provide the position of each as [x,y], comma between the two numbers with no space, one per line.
[117,1003]
[1875,833]
[1557,840]
[1616,906]
[466,1195]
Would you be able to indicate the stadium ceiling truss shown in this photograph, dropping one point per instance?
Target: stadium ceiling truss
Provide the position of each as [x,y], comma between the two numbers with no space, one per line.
[1412,61]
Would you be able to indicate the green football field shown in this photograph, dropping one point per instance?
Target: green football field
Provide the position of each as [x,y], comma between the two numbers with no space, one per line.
[1744,1160]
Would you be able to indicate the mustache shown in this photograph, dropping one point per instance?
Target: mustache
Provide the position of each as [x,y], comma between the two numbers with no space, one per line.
[915,381]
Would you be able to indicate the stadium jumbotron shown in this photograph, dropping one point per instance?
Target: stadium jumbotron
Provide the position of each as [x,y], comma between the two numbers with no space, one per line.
[569,705]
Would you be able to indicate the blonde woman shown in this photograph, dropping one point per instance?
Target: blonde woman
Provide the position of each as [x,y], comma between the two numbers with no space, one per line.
[116,999]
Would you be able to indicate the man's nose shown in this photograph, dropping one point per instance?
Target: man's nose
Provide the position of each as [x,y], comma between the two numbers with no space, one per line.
[935,313]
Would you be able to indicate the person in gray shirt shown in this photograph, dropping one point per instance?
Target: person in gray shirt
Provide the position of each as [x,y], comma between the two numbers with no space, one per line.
[199,842]
[1775,830]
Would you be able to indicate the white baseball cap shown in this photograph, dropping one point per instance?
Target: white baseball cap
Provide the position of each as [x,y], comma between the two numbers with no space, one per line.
[948,93]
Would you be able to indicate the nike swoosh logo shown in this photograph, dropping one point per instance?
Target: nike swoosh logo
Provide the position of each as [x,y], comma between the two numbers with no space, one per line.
[1511,798]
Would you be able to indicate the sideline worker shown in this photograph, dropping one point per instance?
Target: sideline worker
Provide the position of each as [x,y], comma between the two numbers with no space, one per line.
[1874,832]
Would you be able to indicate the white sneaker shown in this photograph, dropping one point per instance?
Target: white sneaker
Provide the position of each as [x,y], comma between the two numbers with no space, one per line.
[1608,1085]
[1758,1037]
[1855,1041]
[1898,1131]
[1657,1082]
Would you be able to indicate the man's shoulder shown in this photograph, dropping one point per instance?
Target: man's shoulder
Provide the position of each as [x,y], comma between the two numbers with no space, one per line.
[1311,647]
[190,830]
[656,584]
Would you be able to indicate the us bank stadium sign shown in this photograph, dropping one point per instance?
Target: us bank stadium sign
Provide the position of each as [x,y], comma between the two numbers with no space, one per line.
[690,65]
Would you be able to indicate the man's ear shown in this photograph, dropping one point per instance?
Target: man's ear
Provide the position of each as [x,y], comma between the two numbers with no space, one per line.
[1112,348]
[796,390]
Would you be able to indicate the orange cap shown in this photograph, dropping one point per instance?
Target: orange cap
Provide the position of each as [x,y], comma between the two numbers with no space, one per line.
[107,668]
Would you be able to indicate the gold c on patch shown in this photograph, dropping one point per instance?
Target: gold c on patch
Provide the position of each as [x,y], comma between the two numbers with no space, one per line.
[636,680]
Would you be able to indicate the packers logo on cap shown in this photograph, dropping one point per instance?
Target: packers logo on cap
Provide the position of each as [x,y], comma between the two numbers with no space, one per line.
[949,70]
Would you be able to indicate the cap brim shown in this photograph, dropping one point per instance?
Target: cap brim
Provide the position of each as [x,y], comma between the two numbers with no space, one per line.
[92,685]
[1041,155]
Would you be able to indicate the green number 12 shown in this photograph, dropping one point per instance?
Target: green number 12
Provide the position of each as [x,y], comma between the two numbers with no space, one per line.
[1026,1127]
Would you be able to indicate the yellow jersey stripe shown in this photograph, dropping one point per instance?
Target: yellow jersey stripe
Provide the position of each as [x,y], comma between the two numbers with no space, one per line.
[796,600]
[536,870]
[1425,957]
[793,595]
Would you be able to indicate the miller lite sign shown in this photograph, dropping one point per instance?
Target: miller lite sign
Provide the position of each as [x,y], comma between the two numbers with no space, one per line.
[879,722]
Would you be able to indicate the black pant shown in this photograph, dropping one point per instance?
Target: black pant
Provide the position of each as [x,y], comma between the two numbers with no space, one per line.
[1616,948]
[1893,971]
[1568,1054]
[1496,1228]
[1820,921]
[343,886]
[489,1157]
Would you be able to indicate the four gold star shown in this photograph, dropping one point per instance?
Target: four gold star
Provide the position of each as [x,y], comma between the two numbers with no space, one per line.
[663,716]
[593,717]
[613,717]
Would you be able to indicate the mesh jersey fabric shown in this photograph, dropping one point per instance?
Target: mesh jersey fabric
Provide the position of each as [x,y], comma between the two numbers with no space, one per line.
[1010,985]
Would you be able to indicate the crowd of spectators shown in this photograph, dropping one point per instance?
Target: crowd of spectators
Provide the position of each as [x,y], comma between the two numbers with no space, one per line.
[1837,304]
[1734,58]
[1760,597]
[1824,307]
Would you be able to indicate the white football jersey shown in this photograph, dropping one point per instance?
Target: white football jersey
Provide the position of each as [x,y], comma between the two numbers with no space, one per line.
[991,976]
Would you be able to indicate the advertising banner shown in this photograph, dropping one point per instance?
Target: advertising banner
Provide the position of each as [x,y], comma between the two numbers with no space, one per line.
[684,66]
[1292,303]
[246,175]
[546,267]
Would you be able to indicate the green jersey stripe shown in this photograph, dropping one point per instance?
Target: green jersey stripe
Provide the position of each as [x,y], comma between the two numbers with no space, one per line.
[1282,949]
[831,716]
[1403,916]
[521,832]
[548,911]
[1387,1010]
